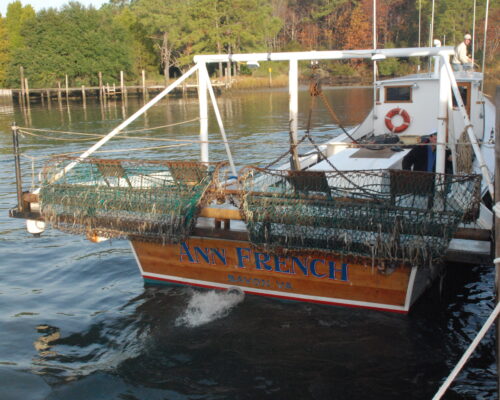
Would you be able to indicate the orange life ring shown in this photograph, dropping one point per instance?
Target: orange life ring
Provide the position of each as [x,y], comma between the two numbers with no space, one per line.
[399,128]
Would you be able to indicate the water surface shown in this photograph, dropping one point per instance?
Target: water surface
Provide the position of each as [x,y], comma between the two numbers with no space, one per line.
[77,321]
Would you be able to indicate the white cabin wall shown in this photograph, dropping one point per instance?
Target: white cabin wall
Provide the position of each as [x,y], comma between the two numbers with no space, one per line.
[488,140]
[423,109]
[365,128]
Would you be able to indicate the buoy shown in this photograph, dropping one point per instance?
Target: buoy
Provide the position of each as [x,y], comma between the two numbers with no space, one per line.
[35,227]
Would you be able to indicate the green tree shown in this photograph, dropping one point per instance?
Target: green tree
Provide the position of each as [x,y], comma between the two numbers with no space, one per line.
[76,41]
[4,51]
[17,17]
[163,22]
[143,54]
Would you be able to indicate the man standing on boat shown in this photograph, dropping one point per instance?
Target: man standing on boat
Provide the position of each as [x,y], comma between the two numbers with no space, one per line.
[423,158]
[461,61]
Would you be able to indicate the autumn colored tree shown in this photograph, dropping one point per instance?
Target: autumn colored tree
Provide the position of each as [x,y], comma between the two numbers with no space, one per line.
[160,34]
[359,34]
[492,37]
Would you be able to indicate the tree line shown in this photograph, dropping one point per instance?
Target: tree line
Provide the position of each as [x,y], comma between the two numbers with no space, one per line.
[162,36]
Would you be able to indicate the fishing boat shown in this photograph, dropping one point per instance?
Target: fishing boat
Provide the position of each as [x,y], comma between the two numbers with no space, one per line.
[342,224]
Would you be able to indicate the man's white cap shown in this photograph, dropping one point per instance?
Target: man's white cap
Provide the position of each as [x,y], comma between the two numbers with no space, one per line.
[467,37]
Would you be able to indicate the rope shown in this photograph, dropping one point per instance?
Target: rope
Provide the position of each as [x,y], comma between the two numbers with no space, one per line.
[335,117]
[315,90]
[369,193]
[467,353]
[105,151]
[53,138]
[92,134]
[292,147]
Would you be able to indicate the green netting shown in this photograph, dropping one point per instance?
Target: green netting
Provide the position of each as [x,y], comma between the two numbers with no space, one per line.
[156,200]
[388,215]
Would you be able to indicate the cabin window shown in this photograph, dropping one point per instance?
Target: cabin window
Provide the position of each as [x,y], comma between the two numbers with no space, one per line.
[397,94]
[463,93]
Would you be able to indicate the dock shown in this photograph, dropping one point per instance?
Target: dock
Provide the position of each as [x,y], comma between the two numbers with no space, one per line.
[104,91]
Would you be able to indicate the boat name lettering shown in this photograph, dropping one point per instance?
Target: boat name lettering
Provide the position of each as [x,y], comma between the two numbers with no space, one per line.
[247,259]
[208,255]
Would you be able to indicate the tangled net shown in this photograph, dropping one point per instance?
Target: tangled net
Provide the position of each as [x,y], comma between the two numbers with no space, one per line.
[153,200]
[388,215]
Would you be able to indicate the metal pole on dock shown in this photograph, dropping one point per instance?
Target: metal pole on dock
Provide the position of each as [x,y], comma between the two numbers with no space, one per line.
[17,162]
[497,222]
[202,99]
[293,84]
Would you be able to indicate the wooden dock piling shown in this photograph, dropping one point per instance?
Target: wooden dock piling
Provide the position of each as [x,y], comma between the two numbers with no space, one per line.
[59,96]
[26,90]
[67,88]
[144,83]
[103,91]
[84,98]
[122,85]
[101,88]
[21,78]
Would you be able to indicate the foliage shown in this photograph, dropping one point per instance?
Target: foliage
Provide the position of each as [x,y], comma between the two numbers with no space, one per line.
[4,50]
[161,36]
[342,69]
[76,41]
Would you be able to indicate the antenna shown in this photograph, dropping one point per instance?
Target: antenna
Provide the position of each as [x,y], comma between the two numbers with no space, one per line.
[484,43]
[473,32]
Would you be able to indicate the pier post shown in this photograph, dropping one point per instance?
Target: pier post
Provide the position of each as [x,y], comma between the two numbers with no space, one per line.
[17,162]
[101,89]
[84,98]
[26,90]
[497,223]
[67,88]
[122,85]
[144,83]
[21,78]
[59,95]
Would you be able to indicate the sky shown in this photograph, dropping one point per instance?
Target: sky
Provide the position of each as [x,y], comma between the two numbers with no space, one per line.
[39,4]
